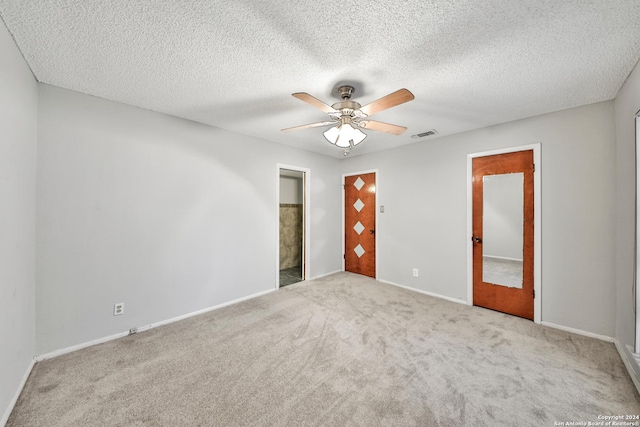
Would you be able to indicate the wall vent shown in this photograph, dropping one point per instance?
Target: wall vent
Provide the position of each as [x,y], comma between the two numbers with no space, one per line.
[425,133]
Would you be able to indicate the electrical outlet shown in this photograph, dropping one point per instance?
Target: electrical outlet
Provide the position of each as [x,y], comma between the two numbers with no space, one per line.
[118,309]
[415,272]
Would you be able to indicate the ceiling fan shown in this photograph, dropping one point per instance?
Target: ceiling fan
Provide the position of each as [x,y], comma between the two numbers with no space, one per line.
[349,116]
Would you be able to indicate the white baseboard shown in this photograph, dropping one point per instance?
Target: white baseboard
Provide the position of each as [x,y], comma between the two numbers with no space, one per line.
[431,294]
[204,310]
[630,361]
[551,325]
[504,258]
[147,327]
[320,276]
[13,402]
[80,346]
[578,331]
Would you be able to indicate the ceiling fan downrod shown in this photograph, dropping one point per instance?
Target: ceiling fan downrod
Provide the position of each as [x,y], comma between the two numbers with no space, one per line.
[345,92]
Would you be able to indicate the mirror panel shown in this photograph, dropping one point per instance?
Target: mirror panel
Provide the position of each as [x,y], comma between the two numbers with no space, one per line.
[502,229]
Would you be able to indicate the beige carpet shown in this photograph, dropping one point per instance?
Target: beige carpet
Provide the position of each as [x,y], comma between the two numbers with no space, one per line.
[339,351]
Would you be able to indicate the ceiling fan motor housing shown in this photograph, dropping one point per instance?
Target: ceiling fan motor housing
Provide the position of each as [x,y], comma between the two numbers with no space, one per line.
[346,107]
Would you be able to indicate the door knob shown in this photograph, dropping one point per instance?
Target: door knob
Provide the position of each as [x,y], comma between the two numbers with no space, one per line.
[476,239]
[372,231]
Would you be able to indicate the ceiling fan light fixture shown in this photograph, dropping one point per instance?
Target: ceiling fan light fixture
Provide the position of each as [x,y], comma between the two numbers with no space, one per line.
[332,134]
[344,135]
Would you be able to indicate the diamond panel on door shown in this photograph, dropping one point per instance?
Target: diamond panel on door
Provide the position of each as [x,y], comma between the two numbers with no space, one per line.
[360,224]
[358,183]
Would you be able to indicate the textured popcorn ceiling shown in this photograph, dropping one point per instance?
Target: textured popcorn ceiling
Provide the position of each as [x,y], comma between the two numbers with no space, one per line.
[234,64]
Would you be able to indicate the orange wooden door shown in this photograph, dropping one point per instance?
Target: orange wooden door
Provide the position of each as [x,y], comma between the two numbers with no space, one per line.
[512,299]
[360,224]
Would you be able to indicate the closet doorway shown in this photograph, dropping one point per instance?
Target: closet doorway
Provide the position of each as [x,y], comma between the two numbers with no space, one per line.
[487,240]
[503,202]
[293,225]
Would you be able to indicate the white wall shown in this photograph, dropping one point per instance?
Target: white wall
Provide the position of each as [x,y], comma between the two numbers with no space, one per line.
[627,104]
[291,190]
[18,116]
[423,187]
[166,215]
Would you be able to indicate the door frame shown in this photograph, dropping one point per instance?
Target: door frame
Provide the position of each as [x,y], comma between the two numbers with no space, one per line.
[376,210]
[537,229]
[636,234]
[306,208]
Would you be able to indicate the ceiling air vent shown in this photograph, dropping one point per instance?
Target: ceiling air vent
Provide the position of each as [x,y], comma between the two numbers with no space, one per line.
[425,133]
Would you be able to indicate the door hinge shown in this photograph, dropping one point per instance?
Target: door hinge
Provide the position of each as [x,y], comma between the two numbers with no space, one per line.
[534,167]
[343,256]
[534,294]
